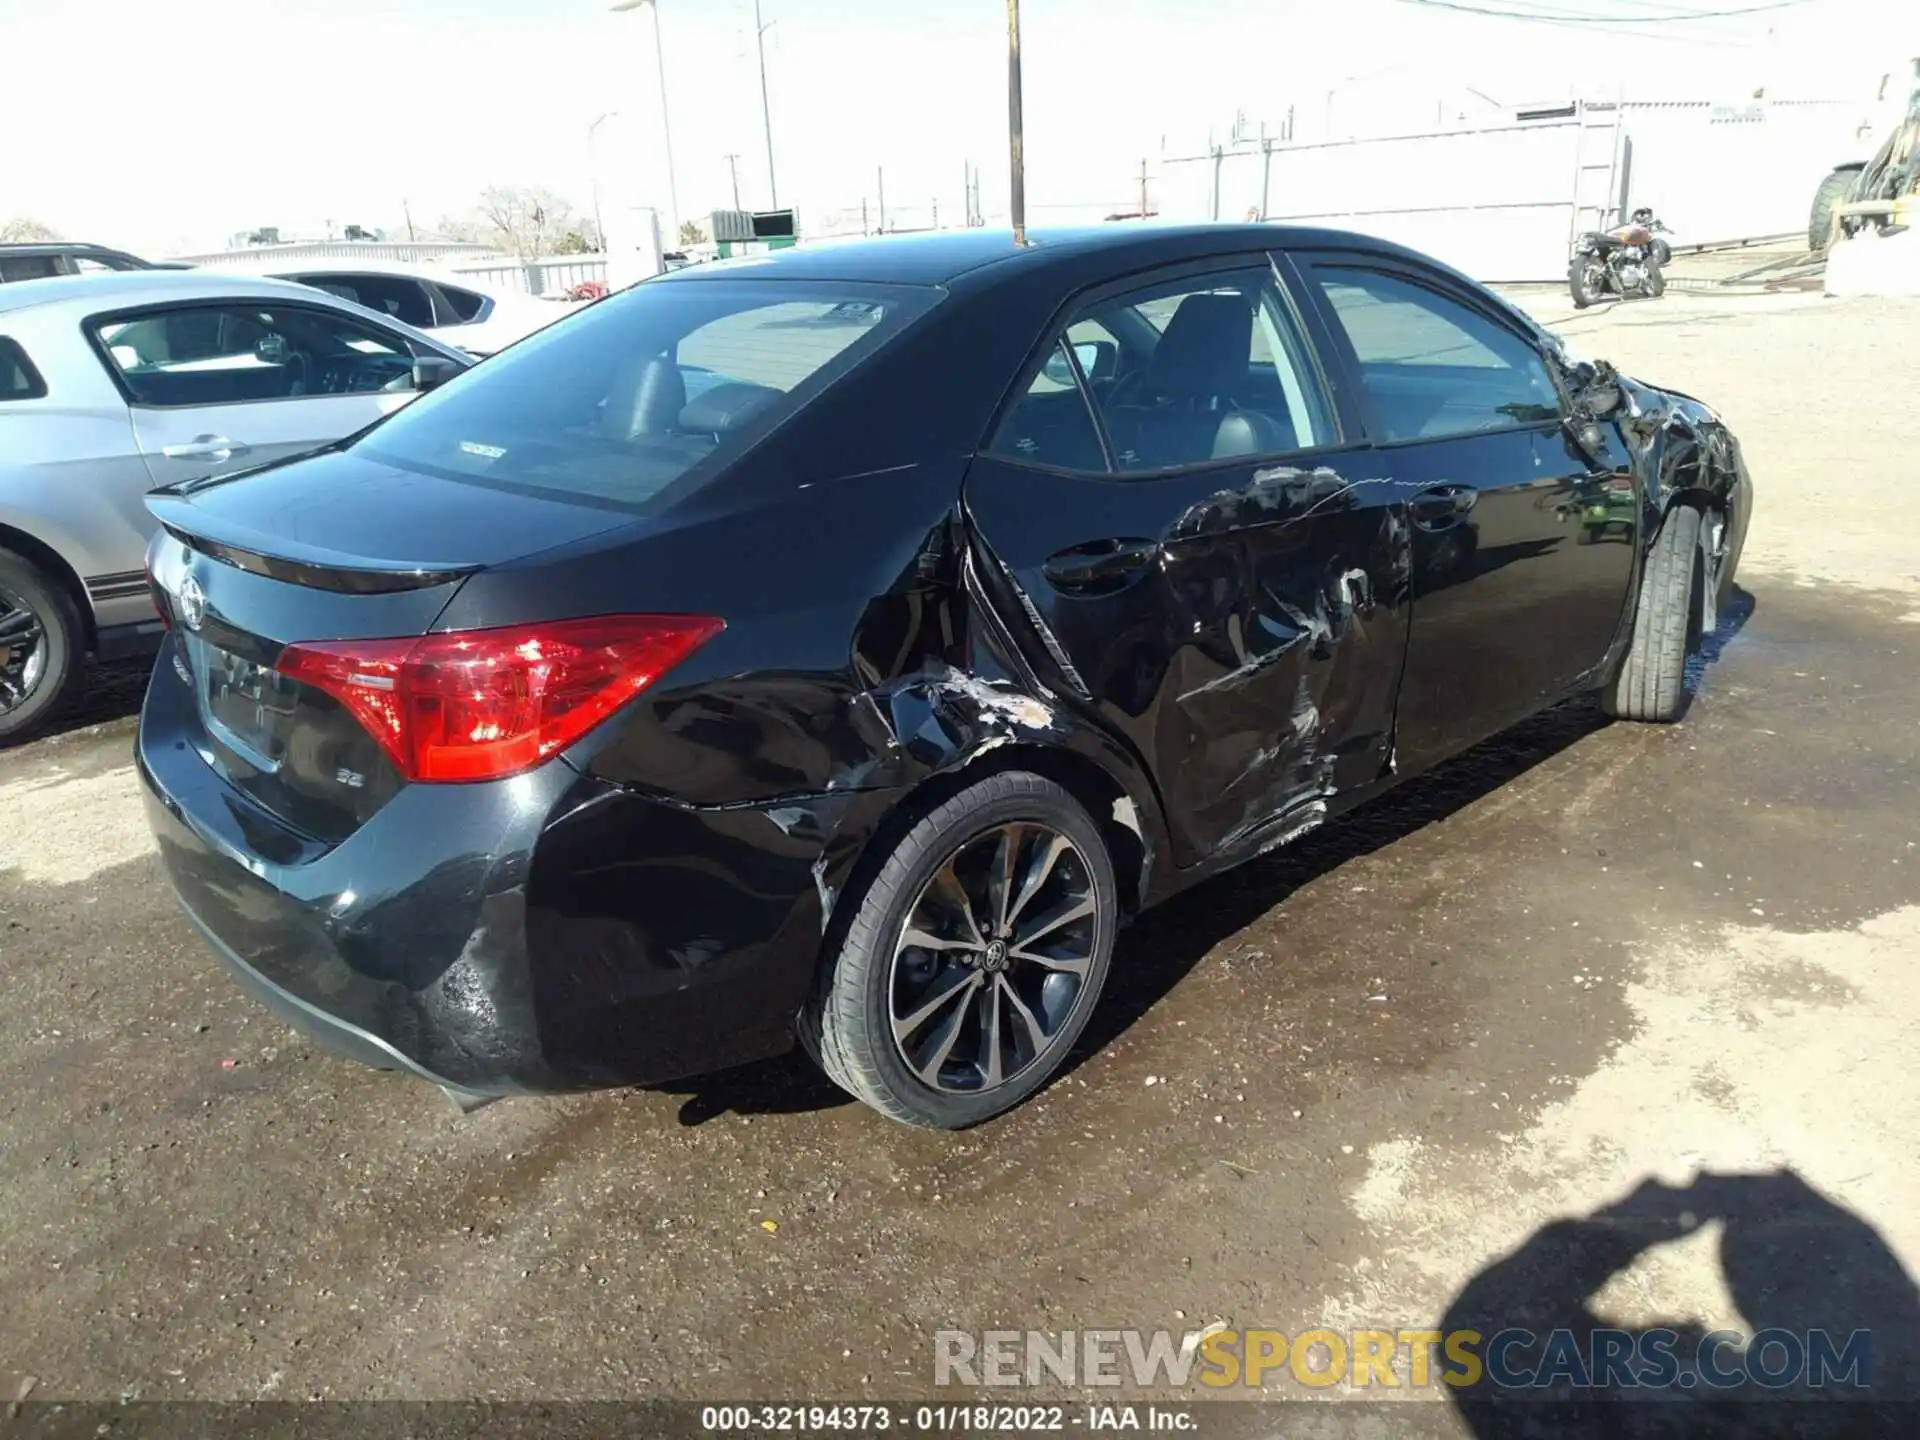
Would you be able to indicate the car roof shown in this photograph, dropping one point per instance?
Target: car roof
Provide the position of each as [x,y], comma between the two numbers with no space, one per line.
[138,287]
[987,258]
[349,265]
[943,257]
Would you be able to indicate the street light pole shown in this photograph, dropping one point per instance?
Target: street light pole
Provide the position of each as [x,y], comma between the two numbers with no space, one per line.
[1016,137]
[666,128]
[593,172]
[766,110]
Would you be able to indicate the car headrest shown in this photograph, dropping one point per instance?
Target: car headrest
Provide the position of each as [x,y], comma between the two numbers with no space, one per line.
[1205,347]
[645,397]
[1251,432]
[727,408]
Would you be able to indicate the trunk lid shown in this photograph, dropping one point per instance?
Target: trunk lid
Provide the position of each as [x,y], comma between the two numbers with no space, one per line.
[329,549]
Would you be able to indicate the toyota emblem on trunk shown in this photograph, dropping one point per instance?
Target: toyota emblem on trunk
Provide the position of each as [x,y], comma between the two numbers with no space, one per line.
[193,603]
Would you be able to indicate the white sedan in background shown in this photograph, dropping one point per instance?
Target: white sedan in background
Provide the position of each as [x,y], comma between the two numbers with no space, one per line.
[113,384]
[452,308]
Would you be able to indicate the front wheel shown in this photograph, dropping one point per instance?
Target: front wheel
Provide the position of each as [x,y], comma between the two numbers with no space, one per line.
[1652,682]
[1655,283]
[1662,253]
[42,648]
[975,957]
[1584,280]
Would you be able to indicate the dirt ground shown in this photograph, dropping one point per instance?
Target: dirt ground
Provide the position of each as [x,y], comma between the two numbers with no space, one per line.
[1366,1082]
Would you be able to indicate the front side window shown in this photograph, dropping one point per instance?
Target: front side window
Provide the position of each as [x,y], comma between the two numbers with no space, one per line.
[226,354]
[1430,365]
[1190,372]
[643,389]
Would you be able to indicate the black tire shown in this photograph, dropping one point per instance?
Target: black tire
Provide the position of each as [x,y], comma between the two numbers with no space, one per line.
[1833,191]
[1655,284]
[1662,253]
[45,678]
[1583,293]
[1652,680]
[847,1026]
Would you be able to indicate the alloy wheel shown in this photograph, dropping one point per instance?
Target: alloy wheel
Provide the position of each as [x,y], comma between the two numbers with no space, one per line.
[994,958]
[23,651]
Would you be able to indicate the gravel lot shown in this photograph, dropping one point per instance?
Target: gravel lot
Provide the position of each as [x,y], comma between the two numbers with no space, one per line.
[1336,1087]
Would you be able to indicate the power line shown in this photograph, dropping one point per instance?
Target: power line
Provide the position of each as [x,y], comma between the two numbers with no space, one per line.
[1551,17]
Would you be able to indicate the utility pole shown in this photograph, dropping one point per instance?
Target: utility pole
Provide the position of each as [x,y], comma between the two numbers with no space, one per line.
[766,111]
[406,209]
[733,168]
[1143,187]
[1016,133]
[880,175]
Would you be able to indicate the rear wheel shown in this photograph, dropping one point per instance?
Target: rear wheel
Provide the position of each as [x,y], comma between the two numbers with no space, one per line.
[1833,191]
[974,959]
[1652,680]
[42,648]
[1583,280]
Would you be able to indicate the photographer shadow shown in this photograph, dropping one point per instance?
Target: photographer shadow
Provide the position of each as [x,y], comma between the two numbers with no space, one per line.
[1793,1260]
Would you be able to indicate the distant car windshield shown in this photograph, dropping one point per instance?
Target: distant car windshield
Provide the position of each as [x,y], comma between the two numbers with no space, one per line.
[658,386]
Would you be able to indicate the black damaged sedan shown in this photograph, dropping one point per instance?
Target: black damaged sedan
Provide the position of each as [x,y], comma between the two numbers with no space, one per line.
[844,645]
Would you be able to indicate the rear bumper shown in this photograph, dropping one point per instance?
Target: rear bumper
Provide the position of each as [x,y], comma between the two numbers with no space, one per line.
[347,1041]
[545,933]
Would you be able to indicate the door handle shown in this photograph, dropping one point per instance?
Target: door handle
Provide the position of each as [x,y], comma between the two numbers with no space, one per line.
[217,448]
[1439,506]
[1100,563]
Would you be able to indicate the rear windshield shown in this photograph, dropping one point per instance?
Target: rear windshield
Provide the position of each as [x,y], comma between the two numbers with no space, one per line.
[643,396]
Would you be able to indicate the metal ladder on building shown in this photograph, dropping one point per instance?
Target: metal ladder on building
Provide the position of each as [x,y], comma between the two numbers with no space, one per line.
[1596,174]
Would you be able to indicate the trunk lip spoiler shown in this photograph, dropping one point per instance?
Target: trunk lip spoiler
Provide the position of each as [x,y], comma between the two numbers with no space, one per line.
[310,566]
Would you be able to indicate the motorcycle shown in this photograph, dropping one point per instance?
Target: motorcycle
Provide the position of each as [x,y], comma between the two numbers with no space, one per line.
[1624,262]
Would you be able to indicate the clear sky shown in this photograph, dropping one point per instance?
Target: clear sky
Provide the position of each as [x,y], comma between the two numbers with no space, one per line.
[169,124]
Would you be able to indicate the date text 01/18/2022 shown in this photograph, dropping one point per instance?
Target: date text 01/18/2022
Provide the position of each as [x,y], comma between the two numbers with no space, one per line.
[943,1419]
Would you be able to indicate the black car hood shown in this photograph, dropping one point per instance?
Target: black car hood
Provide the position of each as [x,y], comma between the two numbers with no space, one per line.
[341,506]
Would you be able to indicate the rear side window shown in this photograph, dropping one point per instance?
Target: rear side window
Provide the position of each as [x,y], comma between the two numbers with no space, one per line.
[32,267]
[1431,366]
[404,299]
[464,304]
[1204,369]
[661,384]
[1050,424]
[18,379]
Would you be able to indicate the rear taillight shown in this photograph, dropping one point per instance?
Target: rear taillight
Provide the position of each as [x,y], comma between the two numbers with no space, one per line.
[485,704]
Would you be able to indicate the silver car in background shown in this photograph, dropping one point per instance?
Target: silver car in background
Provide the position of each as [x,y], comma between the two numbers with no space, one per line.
[114,384]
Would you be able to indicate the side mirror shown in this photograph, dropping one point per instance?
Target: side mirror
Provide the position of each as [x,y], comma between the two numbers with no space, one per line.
[432,371]
[1057,370]
[1096,359]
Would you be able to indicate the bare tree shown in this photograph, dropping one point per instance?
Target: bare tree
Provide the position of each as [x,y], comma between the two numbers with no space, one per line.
[21,228]
[527,220]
